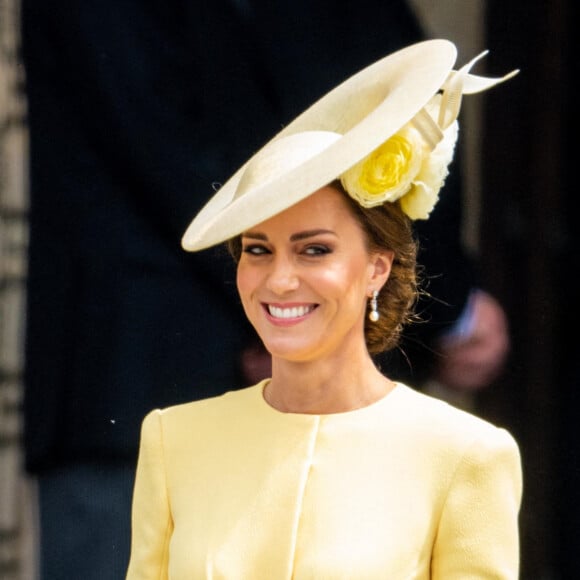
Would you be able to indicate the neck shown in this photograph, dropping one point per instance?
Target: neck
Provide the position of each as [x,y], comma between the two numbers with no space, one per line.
[323,387]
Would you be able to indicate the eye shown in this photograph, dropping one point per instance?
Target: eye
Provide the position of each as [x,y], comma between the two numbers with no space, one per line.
[317,250]
[255,249]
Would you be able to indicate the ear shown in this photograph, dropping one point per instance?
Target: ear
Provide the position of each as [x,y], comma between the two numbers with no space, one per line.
[380,268]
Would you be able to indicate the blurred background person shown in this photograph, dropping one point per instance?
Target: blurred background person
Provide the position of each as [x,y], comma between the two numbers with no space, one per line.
[135,109]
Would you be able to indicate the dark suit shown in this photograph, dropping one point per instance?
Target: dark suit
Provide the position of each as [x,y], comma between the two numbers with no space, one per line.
[136,107]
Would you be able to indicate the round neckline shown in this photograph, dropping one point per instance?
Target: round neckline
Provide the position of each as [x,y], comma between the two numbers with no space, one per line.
[260,387]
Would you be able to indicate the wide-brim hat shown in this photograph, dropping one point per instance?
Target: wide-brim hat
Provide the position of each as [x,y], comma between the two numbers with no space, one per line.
[331,136]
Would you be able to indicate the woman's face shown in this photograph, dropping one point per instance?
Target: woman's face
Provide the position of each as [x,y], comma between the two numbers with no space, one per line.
[304,278]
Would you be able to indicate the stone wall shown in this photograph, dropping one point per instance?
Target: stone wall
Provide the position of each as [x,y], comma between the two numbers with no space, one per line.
[17,560]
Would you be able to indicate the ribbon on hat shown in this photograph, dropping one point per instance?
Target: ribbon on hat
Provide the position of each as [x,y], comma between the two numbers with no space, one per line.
[458,83]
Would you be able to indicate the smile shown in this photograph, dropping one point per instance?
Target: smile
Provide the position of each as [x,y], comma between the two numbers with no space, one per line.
[287,313]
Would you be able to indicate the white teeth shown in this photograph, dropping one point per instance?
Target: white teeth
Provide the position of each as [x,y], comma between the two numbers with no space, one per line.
[293,312]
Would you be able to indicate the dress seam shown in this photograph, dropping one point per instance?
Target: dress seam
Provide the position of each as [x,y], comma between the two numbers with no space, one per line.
[302,493]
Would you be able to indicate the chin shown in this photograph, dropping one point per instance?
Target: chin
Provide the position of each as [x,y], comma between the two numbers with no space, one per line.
[290,352]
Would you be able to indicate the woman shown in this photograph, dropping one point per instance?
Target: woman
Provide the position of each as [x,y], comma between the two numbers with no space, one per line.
[329,469]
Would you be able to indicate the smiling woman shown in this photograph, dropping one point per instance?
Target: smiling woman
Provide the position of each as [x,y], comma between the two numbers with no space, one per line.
[382,234]
[328,469]
[314,269]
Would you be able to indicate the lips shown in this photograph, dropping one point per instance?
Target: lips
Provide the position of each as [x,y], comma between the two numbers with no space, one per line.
[289,312]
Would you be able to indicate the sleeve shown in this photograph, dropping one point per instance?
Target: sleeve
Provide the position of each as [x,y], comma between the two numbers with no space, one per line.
[151,522]
[478,535]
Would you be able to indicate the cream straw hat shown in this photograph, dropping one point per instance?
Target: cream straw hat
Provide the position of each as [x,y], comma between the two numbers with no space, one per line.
[400,113]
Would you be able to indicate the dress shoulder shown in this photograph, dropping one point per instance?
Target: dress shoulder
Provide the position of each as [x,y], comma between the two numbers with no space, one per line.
[449,423]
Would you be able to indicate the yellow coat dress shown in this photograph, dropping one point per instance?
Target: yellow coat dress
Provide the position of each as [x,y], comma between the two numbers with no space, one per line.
[406,488]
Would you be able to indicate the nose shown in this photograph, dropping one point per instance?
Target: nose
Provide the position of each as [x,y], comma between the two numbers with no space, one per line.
[283,276]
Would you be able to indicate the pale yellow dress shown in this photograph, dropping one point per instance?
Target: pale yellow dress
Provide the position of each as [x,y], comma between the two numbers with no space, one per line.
[406,488]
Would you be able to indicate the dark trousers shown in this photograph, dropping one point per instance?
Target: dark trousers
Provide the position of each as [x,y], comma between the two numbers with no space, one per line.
[85,522]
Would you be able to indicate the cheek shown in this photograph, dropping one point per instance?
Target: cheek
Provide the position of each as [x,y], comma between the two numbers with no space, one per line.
[344,280]
[247,280]
[353,271]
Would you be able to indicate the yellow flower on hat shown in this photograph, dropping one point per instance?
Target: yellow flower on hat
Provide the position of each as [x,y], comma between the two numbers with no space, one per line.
[387,173]
[403,168]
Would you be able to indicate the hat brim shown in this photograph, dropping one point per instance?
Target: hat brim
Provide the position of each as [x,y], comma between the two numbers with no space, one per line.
[365,110]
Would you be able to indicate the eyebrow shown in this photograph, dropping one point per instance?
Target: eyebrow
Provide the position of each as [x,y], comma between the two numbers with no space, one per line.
[293,238]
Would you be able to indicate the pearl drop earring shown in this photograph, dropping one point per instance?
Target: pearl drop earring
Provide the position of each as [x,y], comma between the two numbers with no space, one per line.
[374,313]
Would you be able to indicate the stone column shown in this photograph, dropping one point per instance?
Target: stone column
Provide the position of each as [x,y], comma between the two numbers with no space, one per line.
[17,504]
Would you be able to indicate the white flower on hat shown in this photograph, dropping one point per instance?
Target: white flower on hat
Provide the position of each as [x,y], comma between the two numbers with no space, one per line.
[404,168]
[424,193]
